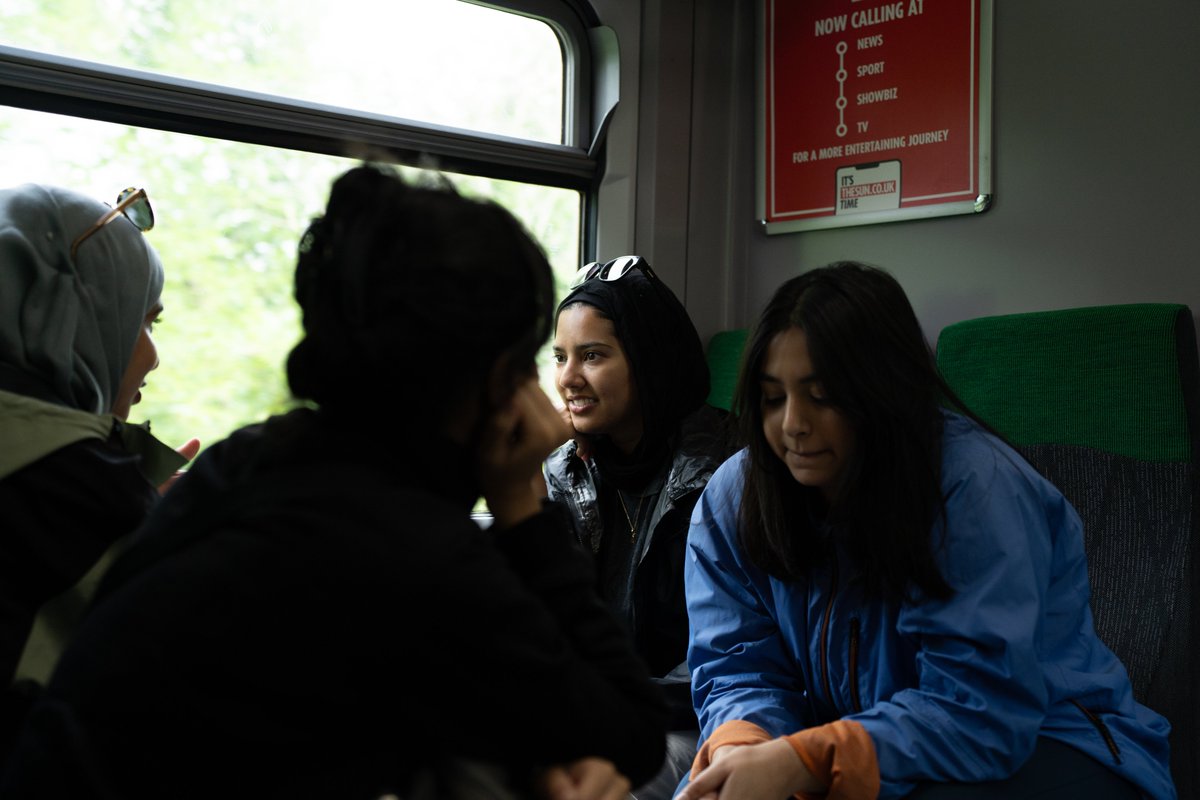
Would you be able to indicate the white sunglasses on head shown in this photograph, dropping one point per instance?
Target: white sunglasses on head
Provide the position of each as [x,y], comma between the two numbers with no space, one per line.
[612,270]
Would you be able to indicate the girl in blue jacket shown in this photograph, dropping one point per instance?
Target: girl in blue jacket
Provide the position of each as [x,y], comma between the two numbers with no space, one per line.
[885,599]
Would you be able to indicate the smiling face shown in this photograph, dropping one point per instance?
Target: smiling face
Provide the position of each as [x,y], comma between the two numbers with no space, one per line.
[594,378]
[145,359]
[810,436]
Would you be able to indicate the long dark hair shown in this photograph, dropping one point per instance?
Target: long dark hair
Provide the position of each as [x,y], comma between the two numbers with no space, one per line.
[417,282]
[875,366]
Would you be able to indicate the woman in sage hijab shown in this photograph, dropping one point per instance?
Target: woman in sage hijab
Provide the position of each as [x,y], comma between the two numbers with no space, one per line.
[80,290]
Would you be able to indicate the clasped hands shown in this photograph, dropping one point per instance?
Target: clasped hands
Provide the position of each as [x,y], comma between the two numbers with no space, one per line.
[764,771]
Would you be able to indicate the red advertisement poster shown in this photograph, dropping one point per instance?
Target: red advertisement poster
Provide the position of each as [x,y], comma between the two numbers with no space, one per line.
[873,111]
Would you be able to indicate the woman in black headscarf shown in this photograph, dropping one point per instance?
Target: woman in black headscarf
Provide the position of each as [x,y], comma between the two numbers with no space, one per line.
[632,373]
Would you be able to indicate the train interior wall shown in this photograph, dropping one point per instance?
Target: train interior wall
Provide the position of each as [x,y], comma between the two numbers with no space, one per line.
[1096,124]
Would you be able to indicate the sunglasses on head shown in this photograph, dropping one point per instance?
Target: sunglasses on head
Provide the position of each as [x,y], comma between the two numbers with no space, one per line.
[134,204]
[612,270]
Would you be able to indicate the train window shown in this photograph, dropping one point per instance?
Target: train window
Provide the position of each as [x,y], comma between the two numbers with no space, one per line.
[227,219]
[204,106]
[438,61]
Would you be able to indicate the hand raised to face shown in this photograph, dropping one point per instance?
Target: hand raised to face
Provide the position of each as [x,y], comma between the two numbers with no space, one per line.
[516,440]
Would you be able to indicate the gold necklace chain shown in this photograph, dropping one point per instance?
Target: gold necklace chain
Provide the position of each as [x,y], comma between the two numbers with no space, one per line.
[637,513]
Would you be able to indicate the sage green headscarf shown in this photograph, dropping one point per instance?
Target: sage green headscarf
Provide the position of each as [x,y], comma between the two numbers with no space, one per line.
[71,326]
[67,329]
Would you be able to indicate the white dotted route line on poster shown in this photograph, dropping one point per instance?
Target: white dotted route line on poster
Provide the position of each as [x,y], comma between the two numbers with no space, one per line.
[841,79]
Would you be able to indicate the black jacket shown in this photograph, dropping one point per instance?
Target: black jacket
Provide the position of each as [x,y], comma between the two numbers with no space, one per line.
[58,515]
[304,616]
[660,624]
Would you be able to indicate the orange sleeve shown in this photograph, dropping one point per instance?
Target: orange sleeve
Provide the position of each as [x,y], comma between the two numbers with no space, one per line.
[735,731]
[842,756]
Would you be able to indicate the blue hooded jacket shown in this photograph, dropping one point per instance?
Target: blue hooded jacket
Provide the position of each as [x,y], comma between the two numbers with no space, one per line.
[954,690]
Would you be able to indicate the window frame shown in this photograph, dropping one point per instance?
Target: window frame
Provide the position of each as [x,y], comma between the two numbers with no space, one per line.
[59,85]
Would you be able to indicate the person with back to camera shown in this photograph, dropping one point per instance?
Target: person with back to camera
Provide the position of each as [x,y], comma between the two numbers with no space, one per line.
[312,611]
[631,370]
[886,599]
[80,291]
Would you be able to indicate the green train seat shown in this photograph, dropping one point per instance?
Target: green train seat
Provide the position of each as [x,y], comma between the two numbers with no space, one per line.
[1105,402]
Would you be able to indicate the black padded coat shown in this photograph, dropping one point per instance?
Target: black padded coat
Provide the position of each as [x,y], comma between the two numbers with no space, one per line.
[305,615]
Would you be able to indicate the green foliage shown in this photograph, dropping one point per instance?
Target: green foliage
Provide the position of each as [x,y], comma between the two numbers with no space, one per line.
[228,215]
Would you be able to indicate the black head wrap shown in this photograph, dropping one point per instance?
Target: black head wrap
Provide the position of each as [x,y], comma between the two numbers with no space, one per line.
[421,284]
[666,360]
